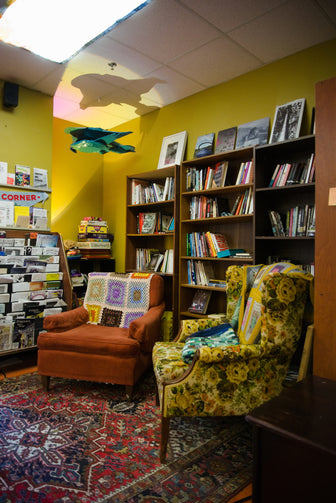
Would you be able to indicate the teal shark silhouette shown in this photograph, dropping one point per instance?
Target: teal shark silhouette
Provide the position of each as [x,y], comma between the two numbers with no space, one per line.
[89,139]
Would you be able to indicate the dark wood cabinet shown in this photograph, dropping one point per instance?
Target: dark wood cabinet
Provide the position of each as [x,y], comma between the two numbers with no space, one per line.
[295,444]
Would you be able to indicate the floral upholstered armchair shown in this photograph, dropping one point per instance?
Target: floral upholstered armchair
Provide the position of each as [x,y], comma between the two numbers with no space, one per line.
[211,370]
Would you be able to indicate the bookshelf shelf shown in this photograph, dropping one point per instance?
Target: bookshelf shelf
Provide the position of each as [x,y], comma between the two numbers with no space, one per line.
[218,220]
[24,187]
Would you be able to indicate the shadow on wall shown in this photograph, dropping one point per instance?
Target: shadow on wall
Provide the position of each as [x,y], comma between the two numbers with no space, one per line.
[96,96]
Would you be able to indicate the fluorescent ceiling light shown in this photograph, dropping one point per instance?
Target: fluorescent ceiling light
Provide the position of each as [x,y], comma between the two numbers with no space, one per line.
[57,30]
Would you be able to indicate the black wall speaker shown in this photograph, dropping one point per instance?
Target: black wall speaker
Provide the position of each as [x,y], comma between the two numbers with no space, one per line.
[10,95]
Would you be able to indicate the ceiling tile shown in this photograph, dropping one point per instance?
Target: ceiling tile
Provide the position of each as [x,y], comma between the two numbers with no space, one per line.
[173,88]
[163,30]
[49,84]
[22,67]
[93,117]
[64,107]
[216,62]
[329,7]
[290,28]
[232,13]
[129,59]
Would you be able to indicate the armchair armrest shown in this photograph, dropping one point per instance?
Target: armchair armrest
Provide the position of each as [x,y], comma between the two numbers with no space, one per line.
[228,354]
[146,329]
[65,321]
[190,326]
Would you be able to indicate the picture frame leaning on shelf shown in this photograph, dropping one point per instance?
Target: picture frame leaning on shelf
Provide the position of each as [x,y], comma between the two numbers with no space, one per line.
[287,121]
[172,149]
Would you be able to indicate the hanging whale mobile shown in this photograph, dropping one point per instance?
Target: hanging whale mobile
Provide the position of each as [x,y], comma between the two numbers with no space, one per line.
[89,139]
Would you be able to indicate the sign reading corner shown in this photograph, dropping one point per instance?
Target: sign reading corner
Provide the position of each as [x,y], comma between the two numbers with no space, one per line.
[23,198]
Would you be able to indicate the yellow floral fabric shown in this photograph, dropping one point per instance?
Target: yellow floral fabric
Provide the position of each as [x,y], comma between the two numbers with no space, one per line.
[233,380]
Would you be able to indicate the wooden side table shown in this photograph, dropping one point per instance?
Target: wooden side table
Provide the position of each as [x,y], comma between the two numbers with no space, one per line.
[294,439]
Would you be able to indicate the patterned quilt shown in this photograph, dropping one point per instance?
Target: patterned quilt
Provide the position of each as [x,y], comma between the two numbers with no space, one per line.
[116,299]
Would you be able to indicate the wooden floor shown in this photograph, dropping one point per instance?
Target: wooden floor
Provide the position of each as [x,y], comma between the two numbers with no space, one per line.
[27,365]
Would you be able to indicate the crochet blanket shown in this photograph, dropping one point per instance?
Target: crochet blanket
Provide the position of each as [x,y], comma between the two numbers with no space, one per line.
[115,299]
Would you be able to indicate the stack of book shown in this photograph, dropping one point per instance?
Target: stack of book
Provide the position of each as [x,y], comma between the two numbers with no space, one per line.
[94,240]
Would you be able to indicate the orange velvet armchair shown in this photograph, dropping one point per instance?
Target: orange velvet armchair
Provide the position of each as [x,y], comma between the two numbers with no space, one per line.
[110,338]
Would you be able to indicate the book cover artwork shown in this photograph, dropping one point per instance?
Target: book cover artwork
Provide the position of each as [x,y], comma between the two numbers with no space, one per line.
[204,145]
[226,140]
[253,133]
[22,175]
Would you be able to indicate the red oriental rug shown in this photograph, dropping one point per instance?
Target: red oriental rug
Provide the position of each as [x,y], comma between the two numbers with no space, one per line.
[84,442]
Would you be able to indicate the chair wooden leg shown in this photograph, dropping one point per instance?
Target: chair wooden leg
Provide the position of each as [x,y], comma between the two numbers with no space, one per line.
[45,382]
[157,398]
[129,391]
[165,421]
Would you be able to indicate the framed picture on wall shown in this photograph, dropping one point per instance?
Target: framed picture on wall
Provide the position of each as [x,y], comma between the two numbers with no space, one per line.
[287,121]
[172,150]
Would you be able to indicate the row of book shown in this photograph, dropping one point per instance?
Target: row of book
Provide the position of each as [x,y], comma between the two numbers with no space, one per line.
[23,176]
[154,222]
[199,272]
[245,173]
[144,192]
[206,178]
[215,177]
[300,221]
[207,244]
[293,173]
[243,204]
[153,260]
[208,207]
[202,273]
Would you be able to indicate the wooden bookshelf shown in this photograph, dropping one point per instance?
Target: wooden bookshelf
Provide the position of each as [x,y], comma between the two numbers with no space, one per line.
[237,229]
[295,248]
[160,241]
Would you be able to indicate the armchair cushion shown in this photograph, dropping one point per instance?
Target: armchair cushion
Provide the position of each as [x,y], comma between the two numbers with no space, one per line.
[220,335]
[98,341]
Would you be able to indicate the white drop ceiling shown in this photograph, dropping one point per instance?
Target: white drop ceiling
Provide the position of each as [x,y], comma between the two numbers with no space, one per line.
[167,51]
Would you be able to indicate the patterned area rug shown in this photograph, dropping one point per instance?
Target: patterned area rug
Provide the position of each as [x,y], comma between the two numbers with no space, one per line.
[84,442]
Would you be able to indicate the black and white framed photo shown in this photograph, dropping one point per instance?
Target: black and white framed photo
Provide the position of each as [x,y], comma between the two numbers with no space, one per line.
[172,149]
[253,133]
[287,121]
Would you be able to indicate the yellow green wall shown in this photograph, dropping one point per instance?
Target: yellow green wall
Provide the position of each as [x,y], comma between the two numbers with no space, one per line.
[76,182]
[252,96]
[26,133]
